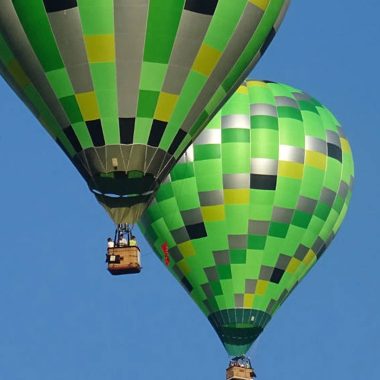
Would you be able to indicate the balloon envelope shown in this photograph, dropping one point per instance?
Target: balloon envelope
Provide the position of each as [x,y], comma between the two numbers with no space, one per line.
[124,86]
[252,205]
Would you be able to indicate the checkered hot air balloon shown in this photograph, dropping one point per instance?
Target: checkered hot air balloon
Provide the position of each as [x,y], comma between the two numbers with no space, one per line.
[252,206]
[124,86]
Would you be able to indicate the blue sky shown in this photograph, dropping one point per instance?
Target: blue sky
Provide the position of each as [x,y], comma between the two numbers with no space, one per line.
[64,317]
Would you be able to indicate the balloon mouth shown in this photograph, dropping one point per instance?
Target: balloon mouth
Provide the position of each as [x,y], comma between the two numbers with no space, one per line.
[238,328]
[97,192]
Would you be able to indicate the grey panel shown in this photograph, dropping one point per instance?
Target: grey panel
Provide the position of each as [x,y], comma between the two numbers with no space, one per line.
[250,286]
[207,290]
[283,215]
[283,261]
[292,154]
[95,159]
[236,181]
[318,245]
[236,121]
[283,296]
[211,274]
[13,32]
[114,152]
[327,196]
[343,189]
[265,273]
[333,138]
[301,96]
[301,252]
[221,257]
[211,198]
[237,241]
[209,136]
[126,151]
[263,110]
[137,158]
[175,254]
[130,17]
[315,144]
[191,31]
[67,29]
[239,300]
[284,101]
[155,159]
[188,156]
[193,216]
[306,204]
[180,235]
[265,166]
[257,227]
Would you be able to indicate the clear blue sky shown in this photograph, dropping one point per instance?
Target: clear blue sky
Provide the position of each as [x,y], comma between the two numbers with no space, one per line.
[64,317]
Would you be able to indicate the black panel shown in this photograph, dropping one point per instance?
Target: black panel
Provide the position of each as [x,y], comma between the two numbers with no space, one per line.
[59,5]
[156,132]
[277,275]
[177,141]
[196,231]
[96,132]
[127,129]
[334,152]
[321,251]
[268,41]
[185,282]
[70,134]
[263,182]
[206,7]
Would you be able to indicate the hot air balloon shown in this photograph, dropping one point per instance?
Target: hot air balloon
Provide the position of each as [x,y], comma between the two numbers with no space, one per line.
[252,206]
[124,86]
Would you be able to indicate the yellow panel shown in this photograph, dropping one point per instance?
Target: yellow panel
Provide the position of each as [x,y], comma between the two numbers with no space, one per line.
[290,169]
[256,83]
[18,73]
[88,105]
[165,106]
[248,300]
[293,265]
[309,258]
[206,60]
[262,4]
[213,213]
[261,287]
[345,145]
[184,267]
[315,159]
[187,249]
[236,196]
[242,90]
[100,48]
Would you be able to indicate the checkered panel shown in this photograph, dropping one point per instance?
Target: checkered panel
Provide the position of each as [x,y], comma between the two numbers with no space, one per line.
[252,206]
[124,87]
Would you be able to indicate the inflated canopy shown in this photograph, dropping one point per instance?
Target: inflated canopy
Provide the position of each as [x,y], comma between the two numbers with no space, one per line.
[252,206]
[124,86]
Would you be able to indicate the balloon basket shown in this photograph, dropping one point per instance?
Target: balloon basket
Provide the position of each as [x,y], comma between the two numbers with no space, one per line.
[123,260]
[240,369]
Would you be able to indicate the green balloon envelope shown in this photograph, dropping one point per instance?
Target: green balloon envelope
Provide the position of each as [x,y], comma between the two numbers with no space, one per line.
[124,86]
[252,206]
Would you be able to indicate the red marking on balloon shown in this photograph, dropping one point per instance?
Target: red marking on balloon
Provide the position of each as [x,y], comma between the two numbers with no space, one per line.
[165,250]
